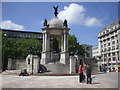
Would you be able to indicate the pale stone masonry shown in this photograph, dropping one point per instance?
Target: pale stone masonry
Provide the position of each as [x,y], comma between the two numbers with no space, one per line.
[88,49]
[95,51]
[55,29]
[109,43]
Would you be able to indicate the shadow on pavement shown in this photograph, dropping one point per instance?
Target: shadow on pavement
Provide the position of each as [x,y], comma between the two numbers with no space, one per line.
[96,83]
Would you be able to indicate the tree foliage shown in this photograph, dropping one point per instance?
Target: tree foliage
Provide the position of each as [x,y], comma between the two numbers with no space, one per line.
[72,43]
[17,49]
[74,46]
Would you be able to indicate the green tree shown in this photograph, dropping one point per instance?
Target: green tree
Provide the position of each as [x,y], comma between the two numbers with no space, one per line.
[17,49]
[22,46]
[74,46]
[7,49]
[72,43]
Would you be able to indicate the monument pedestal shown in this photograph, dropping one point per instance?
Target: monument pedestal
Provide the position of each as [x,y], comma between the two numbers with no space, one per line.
[72,64]
[64,58]
[29,62]
[55,57]
[33,62]
[36,64]
[45,57]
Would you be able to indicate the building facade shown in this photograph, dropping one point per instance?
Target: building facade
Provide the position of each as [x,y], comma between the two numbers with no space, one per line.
[18,34]
[88,49]
[95,52]
[109,44]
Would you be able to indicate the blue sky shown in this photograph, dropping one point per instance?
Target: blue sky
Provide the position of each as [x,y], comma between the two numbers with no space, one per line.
[92,18]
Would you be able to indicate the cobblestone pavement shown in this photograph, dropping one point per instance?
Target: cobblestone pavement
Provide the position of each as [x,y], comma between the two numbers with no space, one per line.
[108,80]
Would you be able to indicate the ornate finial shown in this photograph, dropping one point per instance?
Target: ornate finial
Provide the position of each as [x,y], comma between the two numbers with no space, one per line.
[55,10]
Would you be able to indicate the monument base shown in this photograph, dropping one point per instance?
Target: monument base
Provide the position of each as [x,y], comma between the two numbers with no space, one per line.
[64,58]
[32,64]
[57,68]
[45,57]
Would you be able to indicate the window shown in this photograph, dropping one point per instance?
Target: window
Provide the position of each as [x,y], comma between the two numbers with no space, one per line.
[101,46]
[109,48]
[108,44]
[112,37]
[104,45]
[109,59]
[114,59]
[108,54]
[113,53]
[113,47]
[113,42]
[105,50]
[117,47]
[117,41]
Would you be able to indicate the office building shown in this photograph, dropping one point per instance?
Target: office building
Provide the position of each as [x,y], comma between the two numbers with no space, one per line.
[109,43]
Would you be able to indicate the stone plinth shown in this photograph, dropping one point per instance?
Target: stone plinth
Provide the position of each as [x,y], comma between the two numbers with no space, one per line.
[54,57]
[9,63]
[36,64]
[72,64]
[29,61]
[57,68]
[64,58]
[45,57]
[33,62]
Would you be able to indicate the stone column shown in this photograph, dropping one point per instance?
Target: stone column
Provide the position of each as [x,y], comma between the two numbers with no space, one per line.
[46,48]
[72,64]
[43,46]
[35,64]
[65,41]
[64,59]
[62,43]
[9,64]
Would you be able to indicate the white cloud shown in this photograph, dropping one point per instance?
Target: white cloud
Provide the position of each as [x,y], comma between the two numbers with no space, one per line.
[74,13]
[10,25]
[92,22]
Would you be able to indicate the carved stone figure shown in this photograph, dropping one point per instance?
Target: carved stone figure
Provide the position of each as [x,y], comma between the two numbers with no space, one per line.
[65,23]
[45,23]
[55,10]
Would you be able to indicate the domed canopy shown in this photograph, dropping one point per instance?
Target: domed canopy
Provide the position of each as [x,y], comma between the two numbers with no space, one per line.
[55,23]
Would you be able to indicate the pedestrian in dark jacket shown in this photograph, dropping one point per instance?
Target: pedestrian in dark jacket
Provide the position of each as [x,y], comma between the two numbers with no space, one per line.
[80,72]
[24,73]
[88,73]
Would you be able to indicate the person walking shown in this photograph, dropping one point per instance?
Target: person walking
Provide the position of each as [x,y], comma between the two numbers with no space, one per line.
[80,72]
[88,73]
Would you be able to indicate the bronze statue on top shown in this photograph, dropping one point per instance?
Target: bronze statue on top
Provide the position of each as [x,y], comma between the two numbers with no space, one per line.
[45,23]
[65,23]
[56,10]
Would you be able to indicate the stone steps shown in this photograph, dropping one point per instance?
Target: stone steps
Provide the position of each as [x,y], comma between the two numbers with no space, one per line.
[57,68]
[11,72]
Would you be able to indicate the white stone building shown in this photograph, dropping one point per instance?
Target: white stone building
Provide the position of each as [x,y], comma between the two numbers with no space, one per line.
[95,51]
[109,43]
[88,49]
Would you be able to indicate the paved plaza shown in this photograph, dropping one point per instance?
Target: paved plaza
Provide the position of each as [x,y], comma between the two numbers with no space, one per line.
[108,80]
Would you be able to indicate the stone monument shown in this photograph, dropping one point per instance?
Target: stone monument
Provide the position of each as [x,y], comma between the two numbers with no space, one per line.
[55,28]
